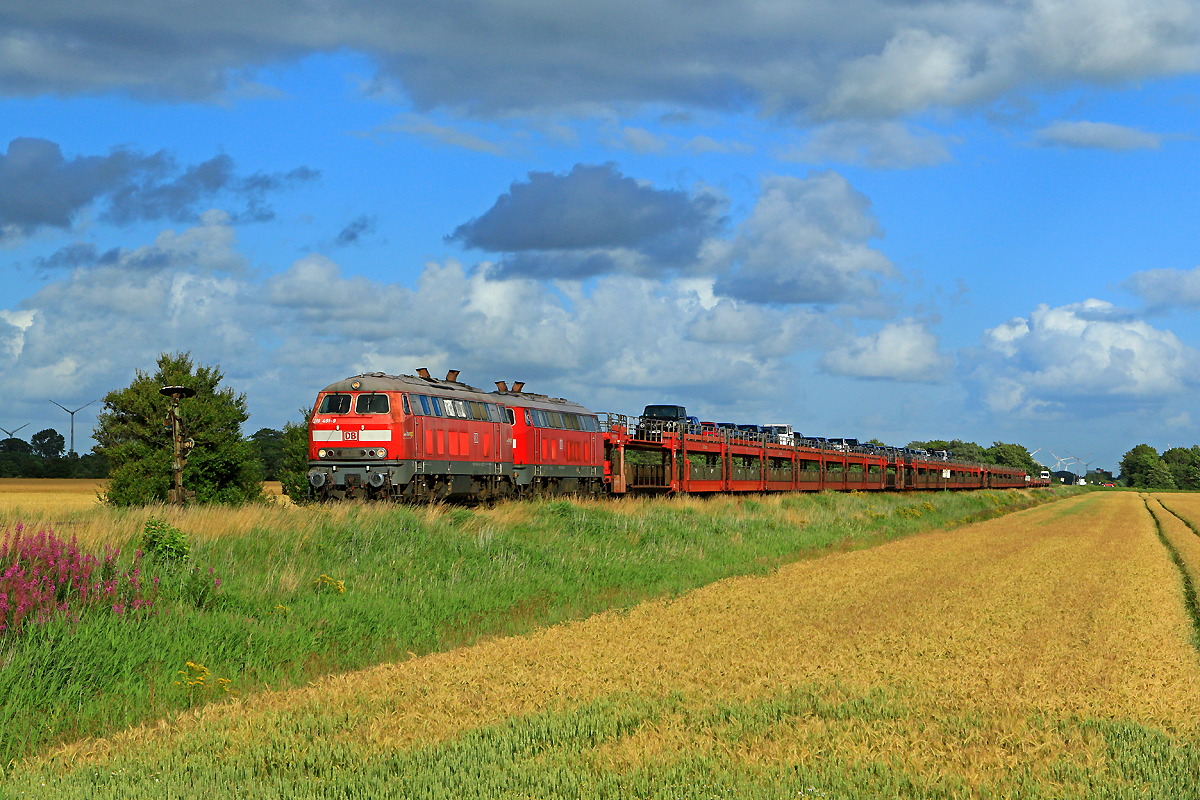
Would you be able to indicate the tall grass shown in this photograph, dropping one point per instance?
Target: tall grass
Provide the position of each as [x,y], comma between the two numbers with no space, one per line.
[304,592]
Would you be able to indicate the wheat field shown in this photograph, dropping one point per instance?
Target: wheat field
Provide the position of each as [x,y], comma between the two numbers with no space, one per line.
[988,647]
[75,508]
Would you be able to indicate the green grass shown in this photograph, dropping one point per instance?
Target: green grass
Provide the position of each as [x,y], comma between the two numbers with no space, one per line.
[413,580]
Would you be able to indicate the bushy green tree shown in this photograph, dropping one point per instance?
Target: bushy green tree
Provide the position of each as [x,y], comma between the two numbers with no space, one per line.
[14,445]
[1013,455]
[1159,477]
[268,446]
[1184,466]
[963,451]
[293,471]
[130,432]
[48,443]
[1137,464]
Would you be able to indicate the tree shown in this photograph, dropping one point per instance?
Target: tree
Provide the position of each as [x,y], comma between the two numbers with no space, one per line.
[268,446]
[1137,464]
[293,472]
[14,445]
[1013,455]
[130,432]
[1159,477]
[48,443]
[1182,463]
[963,451]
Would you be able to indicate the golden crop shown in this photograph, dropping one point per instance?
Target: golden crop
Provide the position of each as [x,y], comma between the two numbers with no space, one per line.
[988,640]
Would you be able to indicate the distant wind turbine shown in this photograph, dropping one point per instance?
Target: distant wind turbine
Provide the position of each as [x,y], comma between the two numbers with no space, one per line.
[13,433]
[72,413]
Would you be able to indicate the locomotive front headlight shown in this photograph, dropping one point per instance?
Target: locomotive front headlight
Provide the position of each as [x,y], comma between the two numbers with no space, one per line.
[321,453]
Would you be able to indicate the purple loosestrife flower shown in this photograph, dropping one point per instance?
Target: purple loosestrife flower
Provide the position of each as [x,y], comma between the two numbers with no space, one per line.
[43,576]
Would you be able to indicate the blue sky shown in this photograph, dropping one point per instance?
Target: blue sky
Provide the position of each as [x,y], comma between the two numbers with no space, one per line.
[897,220]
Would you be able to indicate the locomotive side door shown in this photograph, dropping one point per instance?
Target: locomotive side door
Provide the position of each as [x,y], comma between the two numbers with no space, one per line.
[417,423]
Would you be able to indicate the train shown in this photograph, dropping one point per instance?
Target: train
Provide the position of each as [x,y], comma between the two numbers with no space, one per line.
[418,438]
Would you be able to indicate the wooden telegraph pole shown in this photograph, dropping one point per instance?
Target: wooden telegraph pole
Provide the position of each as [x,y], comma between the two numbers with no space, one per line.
[180,447]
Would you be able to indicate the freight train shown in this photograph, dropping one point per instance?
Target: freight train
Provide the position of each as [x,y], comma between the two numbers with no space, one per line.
[424,439]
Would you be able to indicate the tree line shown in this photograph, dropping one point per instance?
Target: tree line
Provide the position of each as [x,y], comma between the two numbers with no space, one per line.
[1002,454]
[43,456]
[1177,468]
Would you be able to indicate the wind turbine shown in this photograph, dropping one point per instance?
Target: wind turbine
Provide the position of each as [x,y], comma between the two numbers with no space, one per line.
[1061,462]
[13,433]
[72,413]
[1086,464]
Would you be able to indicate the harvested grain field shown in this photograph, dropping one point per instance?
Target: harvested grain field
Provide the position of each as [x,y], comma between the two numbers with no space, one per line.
[41,494]
[74,507]
[1018,656]
[1185,506]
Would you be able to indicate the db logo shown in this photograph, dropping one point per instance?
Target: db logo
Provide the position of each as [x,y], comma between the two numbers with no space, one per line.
[349,436]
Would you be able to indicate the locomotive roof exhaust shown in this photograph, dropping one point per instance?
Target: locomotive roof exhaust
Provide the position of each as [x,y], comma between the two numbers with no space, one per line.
[452,376]
[424,373]
[518,386]
[501,386]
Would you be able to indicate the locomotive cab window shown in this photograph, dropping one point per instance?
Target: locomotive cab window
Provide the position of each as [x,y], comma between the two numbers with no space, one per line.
[335,404]
[372,404]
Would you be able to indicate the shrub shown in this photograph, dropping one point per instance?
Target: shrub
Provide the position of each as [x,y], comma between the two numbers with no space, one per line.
[164,541]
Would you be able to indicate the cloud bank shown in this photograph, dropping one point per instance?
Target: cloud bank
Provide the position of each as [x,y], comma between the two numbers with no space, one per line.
[826,59]
[1082,358]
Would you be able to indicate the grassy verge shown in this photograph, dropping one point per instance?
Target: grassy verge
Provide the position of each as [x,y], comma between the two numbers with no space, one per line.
[309,592]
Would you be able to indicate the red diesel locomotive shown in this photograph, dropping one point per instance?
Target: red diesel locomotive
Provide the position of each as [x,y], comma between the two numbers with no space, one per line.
[415,437]
[420,438]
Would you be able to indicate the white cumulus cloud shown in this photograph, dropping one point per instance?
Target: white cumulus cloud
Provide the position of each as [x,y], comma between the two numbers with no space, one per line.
[901,351]
[1083,355]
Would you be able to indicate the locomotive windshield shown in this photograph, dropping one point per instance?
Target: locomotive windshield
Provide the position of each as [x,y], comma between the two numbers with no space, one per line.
[372,404]
[335,404]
